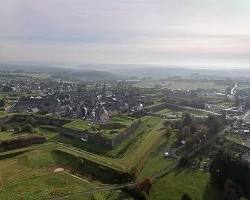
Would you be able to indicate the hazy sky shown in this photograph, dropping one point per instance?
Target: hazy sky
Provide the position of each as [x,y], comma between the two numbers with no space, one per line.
[168,32]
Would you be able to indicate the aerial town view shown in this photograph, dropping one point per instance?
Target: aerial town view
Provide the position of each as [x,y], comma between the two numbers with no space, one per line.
[124,100]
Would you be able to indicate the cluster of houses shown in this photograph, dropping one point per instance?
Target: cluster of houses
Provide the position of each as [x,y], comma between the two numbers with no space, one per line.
[97,104]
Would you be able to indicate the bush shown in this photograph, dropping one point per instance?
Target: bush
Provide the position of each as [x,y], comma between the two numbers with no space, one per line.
[17,129]
[183,161]
[27,128]
[186,196]
[3,128]
[21,142]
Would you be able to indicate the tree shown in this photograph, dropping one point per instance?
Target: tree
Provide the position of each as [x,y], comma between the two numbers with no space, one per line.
[183,161]
[231,191]
[2,103]
[186,120]
[213,124]
[3,128]
[27,128]
[30,120]
[179,136]
[145,185]
[186,131]
[226,166]
[186,196]
[17,129]
[189,144]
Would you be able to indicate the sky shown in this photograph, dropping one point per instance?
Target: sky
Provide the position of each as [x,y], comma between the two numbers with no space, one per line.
[198,33]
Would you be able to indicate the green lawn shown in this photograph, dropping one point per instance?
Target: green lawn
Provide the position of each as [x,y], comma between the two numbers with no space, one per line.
[79,125]
[157,161]
[173,185]
[7,135]
[28,174]
[238,140]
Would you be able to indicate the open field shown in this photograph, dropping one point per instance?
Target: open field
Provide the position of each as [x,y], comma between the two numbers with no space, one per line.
[180,84]
[238,140]
[188,85]
[28,173]
[174,184]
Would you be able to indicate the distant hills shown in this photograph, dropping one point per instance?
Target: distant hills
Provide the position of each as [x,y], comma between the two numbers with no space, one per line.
[112,72]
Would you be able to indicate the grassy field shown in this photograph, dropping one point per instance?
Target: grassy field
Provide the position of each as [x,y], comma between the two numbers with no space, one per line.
[79,125]
[7,135]
[238,140]
[28,174]
[157,161]
[174,184]
[188,85]
[181,84]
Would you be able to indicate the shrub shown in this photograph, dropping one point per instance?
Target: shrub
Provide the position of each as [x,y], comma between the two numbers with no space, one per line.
[3,128]
[27,128]
[17,129]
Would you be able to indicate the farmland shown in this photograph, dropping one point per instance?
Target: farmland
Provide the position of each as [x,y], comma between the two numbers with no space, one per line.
[180,84]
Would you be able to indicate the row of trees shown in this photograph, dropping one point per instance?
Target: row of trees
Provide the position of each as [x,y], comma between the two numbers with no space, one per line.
[21,142]
[193,133]
[19,128]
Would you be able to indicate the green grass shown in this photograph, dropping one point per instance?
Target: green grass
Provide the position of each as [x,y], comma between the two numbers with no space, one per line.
[174,184]
[238,140]
[111,195]
[181,84]
[7,135]
[44,187]
[141,148]
[157,161]
[79,125]
[28,174]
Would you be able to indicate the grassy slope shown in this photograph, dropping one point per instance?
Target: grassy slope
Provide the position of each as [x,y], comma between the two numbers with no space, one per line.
[157,161]
[173,185]
[30,175]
